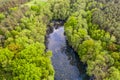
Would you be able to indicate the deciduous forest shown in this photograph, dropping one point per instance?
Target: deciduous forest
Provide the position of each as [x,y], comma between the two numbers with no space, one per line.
[91,27]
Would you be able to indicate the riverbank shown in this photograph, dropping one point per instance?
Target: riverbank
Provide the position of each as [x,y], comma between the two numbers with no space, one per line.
[66,62]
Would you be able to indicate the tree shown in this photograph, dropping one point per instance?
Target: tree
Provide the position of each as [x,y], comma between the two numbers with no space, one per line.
[6,57]
[100,66]
[114,74]
[89,49]
[61,9]
[2,16]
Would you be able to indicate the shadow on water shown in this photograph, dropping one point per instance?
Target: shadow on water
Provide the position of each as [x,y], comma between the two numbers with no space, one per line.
[65,61]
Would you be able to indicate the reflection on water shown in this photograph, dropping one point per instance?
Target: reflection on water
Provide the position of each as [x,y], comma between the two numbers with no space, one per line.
[64,58]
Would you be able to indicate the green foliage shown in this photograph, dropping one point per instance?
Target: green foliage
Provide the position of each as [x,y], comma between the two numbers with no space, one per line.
[23,56]
[8,4]
[98,66]
[6,57]
[60,9]
[2,16]
[92,30]
[33,63]
[30,63]
[35,8]
[72,21]
[114,74]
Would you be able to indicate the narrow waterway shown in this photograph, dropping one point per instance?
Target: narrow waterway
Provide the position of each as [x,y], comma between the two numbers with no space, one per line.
[65,61]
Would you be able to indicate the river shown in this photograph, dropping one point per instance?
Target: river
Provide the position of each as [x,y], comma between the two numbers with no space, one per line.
[65,61]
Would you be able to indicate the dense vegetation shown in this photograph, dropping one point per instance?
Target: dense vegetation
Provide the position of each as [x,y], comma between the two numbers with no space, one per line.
[5,5]
[22,51]
[23,25]
[92,29]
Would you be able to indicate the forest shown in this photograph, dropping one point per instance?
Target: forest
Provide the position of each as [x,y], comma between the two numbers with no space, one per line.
[92,29]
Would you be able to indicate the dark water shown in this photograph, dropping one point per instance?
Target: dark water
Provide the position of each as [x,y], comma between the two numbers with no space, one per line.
[64,59]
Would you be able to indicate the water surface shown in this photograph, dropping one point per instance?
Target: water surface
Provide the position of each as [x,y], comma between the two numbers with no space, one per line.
[64,58]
